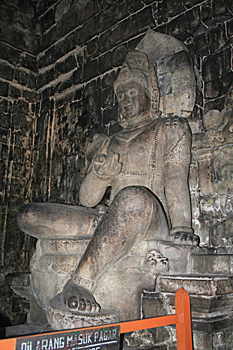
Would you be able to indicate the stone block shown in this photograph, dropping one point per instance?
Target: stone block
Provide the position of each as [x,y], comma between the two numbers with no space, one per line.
[21,76]
[27,7]
[5,152]
[219,39]
[215,104]
[46,93]
[3,106]
[196,285]
[110,39]
[230,28]
[9,53]
[4,86]
[77,76]
[118,55]
[64,46]
[87,31]
[66,84]
[5,119]
[4,135]
[14,92]
[86,10]
[224,59]
[105,62]
[213,89]
[47,20]
[6,14]
[220,8]
[212,264]
[176,28]
[162,15]
[48,58]
[28,61]
[226,82]
[152,306]
[6,71]
[45,105]
[105,19]
[174,7]
[50,75]
[29,96]
[50,37]
[107,96]
[206,12]
[201,44]
[92,48]
[193,19]
[108,79]
[124,8]
[68,22]
[41,80]
[91,100]
[90,70]
[210,68]
[143,20]
[24,22]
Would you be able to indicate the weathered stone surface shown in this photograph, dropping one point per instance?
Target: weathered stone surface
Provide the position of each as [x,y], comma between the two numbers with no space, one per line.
[170,56]
[197,285]
[131,252]
[60,317]
[53,155]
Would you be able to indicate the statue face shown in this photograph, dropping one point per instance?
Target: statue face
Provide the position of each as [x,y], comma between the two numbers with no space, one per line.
[133,104]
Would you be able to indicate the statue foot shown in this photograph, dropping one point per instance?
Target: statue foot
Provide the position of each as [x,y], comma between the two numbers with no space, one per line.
[186,238]
[79,299]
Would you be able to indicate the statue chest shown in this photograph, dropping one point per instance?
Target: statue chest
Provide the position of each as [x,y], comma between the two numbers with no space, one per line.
[134,149]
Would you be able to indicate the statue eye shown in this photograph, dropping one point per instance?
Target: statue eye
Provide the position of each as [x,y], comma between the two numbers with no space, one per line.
[120,96]
[132,92]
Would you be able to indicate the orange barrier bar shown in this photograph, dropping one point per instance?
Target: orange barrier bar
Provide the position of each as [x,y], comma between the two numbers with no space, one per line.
[182,319]
[183,329]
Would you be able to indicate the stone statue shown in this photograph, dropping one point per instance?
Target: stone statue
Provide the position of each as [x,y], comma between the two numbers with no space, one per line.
[146,165]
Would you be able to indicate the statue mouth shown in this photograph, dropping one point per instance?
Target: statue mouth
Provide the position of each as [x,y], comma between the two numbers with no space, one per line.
[129,109]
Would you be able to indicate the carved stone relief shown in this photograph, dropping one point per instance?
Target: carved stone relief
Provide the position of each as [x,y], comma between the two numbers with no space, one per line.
[211,171]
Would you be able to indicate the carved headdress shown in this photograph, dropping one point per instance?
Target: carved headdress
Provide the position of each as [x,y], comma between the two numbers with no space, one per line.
[136,67]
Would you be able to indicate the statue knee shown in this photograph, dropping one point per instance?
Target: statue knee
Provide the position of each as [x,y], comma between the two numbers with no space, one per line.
[26,217]
[134,199]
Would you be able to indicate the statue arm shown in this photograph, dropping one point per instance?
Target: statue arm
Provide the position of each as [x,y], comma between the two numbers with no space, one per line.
[176,170]
[92,190]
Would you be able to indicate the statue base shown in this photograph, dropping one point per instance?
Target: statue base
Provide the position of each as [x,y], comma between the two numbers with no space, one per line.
[211,300]
[60,317]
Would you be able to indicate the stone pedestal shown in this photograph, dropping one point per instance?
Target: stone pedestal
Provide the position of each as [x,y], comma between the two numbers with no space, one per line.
[61,318]
[51,266]
[211,306]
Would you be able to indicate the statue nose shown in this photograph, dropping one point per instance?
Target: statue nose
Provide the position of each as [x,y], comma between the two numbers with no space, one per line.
[126,100]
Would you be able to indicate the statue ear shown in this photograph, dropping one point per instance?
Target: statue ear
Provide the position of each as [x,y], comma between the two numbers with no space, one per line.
[154,92]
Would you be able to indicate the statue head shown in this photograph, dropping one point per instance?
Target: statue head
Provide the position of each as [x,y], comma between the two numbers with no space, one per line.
[137,90]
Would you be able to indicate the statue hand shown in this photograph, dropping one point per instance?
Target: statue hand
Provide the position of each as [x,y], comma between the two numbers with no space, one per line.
[107,166]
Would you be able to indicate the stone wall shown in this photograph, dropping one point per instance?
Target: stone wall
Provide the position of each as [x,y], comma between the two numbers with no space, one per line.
[58,62]
[18,50]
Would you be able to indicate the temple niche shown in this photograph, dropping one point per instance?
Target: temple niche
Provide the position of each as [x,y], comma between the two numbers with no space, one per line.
[168,222]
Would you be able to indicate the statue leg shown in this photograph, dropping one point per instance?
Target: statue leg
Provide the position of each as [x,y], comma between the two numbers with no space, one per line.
[134,214]
[54,221]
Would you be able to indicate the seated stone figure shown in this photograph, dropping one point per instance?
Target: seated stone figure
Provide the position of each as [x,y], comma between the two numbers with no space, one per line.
[146,165]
